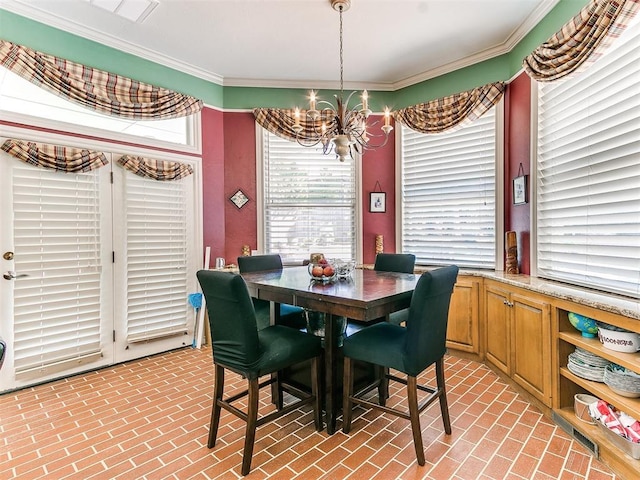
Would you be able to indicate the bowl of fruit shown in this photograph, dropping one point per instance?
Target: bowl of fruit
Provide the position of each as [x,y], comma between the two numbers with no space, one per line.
[322,271]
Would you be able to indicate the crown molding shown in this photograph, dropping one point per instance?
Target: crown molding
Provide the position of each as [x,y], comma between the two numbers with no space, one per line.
[508,45]
[33,13]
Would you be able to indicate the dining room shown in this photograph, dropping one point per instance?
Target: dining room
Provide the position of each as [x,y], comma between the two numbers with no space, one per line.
[205,139]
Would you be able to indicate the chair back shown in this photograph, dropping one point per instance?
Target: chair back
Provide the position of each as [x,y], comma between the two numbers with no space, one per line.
[428,318]
[258,263]
[395,262]
[234,332]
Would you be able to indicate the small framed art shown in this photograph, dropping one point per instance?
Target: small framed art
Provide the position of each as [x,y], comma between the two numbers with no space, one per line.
[377,202]
[239,199]
[520,190]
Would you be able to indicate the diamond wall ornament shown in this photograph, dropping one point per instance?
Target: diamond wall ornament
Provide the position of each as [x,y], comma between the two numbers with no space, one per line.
[239,199]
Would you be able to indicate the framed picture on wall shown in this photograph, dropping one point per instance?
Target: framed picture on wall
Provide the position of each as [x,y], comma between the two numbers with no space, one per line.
[377,202]
[520,190]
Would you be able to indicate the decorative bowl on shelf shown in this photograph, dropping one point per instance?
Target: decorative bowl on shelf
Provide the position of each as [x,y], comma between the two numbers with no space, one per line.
[622,381]
[587,326]
[581,406]
[618,339]
[323,271]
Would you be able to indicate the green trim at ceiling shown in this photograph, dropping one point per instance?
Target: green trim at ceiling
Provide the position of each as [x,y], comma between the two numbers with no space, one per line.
[23,31]
[47,39]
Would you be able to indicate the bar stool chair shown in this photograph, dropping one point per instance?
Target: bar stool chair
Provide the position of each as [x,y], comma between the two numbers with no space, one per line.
[240,347]
[409,350]
[396,262]
[290,316]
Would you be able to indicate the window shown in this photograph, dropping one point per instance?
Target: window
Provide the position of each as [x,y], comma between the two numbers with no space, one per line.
[309,201]
[19,96]
[448,195]
[588,173]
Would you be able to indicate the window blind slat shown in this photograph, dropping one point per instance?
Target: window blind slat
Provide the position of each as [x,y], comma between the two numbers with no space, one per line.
[310,201]
[57,234]
[448,195]
[588,189]
[156,257]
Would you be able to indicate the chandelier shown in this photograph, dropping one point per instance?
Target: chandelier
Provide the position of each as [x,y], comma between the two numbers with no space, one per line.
[336,127]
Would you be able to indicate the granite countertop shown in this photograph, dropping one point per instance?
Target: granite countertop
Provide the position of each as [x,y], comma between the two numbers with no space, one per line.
[607,302]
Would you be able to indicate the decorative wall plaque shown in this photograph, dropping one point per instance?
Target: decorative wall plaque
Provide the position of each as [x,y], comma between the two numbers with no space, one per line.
[239,199]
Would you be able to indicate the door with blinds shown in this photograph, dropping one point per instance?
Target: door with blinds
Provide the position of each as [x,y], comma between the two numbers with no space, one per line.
[56,265]
[155,263]
[97,268]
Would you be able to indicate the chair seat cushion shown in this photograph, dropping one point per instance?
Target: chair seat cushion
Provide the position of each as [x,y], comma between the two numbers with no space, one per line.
[382,344]
[282,347]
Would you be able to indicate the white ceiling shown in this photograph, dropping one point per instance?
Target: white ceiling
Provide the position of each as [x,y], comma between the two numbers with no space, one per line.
[388,44]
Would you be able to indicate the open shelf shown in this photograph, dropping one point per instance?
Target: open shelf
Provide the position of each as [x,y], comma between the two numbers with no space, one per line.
[570,384]
[593,345]
[607,451]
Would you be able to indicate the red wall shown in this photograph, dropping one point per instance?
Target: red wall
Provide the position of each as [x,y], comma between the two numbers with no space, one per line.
[213,154]
[517,152]
[240,173]
[379,166]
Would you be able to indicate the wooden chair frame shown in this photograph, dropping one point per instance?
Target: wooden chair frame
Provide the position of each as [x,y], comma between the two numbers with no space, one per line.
[251,415]
[415,408]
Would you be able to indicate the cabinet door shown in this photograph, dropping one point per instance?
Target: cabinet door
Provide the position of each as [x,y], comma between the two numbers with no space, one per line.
[462,330]
[498,328]
[531,346]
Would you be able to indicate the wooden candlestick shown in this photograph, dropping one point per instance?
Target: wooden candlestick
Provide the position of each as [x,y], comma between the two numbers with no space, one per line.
[511,247]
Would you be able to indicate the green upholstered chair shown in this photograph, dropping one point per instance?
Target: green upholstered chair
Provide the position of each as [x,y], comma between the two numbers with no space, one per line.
[409,350]
[396,262]
[388,262]
[290,315]
[240,347]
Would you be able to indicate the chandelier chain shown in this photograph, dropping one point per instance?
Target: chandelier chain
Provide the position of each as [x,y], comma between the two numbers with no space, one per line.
[341,59]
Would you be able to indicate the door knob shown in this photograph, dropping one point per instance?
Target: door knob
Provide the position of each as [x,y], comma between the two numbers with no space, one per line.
[7,255]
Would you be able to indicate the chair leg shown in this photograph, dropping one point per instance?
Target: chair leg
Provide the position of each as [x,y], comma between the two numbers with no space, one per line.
[383,386]
[347,392]
[252,418]
[218,390]
[444,406]
[315,391]
[414,414]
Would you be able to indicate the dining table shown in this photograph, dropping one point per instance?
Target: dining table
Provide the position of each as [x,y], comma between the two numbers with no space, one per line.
[364,295]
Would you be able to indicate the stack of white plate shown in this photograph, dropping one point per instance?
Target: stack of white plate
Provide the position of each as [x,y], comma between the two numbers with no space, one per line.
[623,381]
[587,365]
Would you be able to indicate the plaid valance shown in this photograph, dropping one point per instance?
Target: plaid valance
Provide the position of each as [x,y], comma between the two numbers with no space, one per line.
[96,89]
[280,122]
[155,169]
[448,112]
[55,157]
[582,40]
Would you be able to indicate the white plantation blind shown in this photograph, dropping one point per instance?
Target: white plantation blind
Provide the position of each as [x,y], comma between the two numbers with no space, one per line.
[309,201]
[156,257]
[588,169]
[57,245]
[448,195]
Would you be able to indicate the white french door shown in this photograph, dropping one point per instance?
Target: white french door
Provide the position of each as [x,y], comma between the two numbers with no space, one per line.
[155,262]
[96,268]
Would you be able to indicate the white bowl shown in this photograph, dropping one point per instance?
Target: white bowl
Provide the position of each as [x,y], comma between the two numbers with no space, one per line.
[628,342]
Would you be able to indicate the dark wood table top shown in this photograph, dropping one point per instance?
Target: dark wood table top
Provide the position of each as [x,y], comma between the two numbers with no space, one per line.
[365,295]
